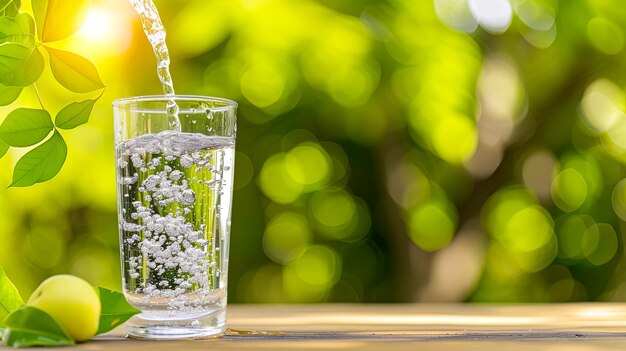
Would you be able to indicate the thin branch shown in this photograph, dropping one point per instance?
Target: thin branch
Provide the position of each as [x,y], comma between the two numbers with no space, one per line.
[38,96]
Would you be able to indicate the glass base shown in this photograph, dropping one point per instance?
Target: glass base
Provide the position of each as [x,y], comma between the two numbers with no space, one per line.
[157,326]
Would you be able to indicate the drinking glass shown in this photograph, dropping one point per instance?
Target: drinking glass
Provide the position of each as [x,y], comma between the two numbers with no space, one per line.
[174,162]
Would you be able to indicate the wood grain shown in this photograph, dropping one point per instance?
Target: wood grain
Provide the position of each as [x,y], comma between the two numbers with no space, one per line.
[589,326]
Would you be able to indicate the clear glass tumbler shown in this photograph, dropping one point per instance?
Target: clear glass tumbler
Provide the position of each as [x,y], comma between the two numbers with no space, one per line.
[174,192]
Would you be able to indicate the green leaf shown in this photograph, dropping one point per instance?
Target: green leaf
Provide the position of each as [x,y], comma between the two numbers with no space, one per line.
[74,72]
[20,71]
[20,24]
[115,310]
[10,299]
[3,150]
[15,26]
[27,72]
[16,42]
[74,114]
[9,94]
[41,163]
[12,54]
[25,127]
[10,7]
[58,19]
[26,23]
[29,326]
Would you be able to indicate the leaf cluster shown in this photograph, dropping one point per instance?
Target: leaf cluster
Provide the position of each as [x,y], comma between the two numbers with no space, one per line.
[25,326]
[23,42]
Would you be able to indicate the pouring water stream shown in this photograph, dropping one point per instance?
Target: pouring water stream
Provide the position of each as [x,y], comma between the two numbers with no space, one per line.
[153,27]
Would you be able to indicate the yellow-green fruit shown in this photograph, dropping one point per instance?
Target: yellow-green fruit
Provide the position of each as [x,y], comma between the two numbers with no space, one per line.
[72,302]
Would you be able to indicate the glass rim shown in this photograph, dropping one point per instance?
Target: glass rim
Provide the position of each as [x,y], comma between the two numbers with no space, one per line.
[165,98]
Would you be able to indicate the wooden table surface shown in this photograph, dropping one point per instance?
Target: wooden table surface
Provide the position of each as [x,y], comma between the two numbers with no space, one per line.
[567,327]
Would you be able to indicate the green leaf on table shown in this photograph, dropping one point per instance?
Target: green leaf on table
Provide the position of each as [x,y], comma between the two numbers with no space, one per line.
[74,72]
[16,42]
[4,147]
[41,163]
[26,72]
[10,299]
[10,7]
[9,94]
[29,326]
[58,19]
[25,127]
[115,309]
[74,114]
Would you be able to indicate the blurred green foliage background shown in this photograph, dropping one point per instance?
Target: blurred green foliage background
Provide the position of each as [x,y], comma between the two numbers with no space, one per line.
[388,150]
